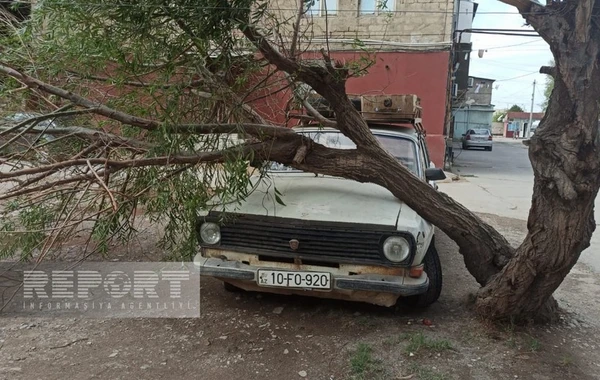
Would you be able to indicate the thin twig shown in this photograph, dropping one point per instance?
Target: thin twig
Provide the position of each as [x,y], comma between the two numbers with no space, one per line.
[112,198]
[295,36]
[191,84]
[317,115]
[69,344]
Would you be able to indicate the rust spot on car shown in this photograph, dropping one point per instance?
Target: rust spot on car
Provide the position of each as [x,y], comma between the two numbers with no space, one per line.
[381,299]
[343,269]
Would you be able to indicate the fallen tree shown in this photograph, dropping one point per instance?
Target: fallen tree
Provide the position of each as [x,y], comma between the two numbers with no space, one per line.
[140,150]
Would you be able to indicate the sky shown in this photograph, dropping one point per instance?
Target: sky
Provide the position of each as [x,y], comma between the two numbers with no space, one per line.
[514,62]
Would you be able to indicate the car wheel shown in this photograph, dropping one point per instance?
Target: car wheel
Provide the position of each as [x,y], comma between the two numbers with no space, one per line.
[490,149]
[232,288]
[464,147]
[433,268]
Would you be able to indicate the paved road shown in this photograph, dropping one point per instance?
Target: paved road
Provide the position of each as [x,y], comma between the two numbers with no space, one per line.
[506,176]
[508,158]
[503,177]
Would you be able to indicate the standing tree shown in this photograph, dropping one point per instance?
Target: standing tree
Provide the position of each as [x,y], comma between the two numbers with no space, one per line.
[515,108]
[499,116]
[146,96]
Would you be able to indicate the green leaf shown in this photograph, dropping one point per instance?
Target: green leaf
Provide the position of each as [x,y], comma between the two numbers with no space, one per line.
[278,200]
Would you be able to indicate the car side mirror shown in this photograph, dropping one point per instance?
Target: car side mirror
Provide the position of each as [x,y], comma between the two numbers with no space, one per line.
[464,134]
[434,174]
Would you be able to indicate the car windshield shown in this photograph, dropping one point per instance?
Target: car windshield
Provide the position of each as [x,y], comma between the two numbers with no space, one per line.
[402,149]
[479,132]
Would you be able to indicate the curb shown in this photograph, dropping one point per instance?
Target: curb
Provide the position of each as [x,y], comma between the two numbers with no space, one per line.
[450,177]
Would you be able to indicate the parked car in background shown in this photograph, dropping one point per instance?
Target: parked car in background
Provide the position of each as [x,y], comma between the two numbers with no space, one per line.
[477,138]
[333,238]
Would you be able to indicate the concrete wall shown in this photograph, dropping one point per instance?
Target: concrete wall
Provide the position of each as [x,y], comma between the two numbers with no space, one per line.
[480,91]
[407,22]
[498,129]
[470,118]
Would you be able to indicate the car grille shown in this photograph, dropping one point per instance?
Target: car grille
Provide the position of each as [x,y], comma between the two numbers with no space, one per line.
[318,241]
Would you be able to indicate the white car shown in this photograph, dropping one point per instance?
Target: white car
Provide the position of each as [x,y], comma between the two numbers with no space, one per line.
[333,238]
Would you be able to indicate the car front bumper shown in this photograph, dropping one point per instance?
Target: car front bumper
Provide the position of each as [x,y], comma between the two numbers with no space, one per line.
[245,276]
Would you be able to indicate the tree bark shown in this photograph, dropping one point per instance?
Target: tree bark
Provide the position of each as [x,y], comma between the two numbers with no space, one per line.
[565,157]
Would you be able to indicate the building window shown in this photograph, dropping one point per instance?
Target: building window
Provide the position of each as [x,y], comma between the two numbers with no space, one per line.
[371,7]
[322,7]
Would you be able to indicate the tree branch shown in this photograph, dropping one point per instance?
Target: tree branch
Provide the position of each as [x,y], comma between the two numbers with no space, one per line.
[217,156]
[329,85]
[192,84]
[548,70]
[295,37]
[522,5]
[101,182]
[79,100]
[272,55]
[91,134]
[259,130]
[317,115]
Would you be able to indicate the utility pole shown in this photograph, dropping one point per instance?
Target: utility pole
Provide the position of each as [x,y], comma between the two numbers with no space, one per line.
[531,113]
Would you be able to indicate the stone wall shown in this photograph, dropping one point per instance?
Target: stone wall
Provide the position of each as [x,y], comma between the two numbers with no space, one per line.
[414,24]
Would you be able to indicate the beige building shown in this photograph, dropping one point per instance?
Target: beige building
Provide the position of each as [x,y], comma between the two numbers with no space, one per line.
[379,24]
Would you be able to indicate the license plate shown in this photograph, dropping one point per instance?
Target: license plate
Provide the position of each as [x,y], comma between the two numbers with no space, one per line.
[289,279]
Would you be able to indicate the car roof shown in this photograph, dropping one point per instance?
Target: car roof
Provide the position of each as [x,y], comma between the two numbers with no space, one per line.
[400,130]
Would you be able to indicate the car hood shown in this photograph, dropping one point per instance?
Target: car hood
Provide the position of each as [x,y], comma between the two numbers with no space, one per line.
[319,198]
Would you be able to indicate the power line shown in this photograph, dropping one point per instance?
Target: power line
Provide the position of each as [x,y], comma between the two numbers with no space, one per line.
[520,76]
[510,66]
[486,63]
[520,90]
[506,46]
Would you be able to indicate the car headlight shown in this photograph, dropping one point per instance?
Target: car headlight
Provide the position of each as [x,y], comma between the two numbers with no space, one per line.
[210,233]
[396,249]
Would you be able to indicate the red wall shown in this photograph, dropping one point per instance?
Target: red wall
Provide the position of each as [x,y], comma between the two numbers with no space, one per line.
[424,74]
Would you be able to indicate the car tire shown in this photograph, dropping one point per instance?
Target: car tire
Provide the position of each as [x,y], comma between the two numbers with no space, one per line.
[433,268]
[489,149]
[232,288]
[464,147]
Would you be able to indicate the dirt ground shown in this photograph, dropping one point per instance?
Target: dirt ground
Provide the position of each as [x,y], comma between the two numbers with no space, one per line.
[260,336]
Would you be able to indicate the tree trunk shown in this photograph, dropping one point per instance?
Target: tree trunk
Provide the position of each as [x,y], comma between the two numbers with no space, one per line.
[565,156]
[485,251]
